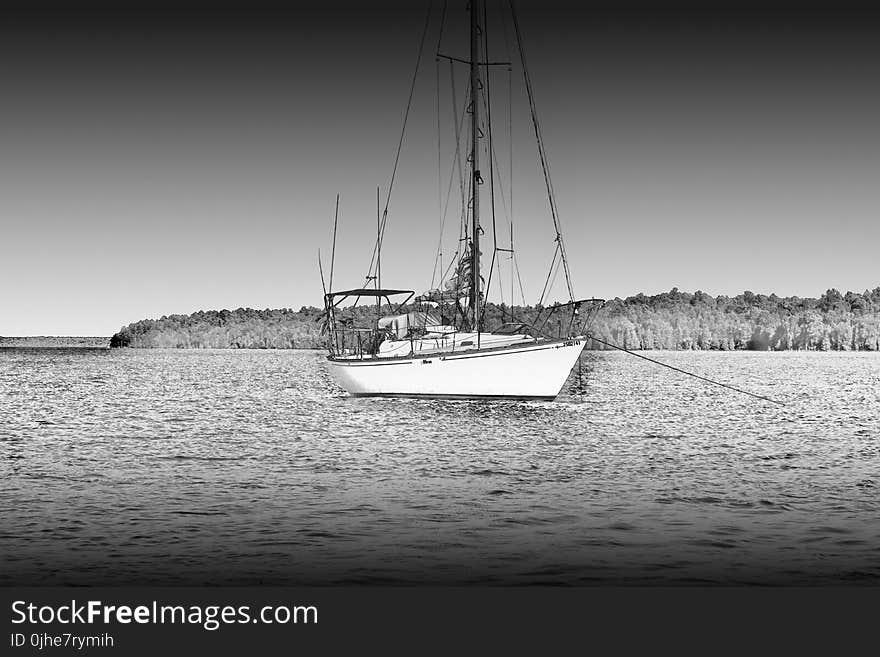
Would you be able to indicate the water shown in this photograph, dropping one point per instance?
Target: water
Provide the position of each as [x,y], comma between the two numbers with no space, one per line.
[231,467]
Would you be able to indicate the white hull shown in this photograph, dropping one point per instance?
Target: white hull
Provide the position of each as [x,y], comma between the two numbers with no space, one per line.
[535,370]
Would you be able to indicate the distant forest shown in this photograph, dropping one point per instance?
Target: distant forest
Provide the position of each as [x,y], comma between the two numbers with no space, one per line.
[671,320]
[56,341]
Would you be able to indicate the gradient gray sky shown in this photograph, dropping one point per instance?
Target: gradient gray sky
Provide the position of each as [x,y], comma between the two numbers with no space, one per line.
[160,162]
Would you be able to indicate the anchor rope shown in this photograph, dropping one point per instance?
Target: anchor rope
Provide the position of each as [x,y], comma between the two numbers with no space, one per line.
[681,371]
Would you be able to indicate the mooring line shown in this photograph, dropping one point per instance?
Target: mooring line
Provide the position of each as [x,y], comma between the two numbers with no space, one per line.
[696,376]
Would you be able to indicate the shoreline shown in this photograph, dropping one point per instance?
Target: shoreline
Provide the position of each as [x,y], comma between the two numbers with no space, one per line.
[54,342]
[8,345]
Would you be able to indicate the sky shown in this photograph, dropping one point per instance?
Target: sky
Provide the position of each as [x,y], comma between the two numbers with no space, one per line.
[163,160]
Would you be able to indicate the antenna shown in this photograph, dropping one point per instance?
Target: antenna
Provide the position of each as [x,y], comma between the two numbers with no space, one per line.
[378,243]
[333,253]
[321,270]
[378,279]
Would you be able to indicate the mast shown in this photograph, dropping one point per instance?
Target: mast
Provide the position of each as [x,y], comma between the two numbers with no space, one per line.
[475,165]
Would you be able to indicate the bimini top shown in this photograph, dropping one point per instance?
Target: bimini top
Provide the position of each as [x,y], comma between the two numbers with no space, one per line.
[368,292]
[333,299]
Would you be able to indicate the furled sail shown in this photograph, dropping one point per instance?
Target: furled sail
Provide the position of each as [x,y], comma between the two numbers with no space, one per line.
[459,284]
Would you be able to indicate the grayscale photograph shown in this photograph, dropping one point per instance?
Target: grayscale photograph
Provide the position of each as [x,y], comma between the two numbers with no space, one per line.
[472,293]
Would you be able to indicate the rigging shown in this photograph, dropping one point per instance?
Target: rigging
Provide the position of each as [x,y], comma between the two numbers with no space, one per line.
[378,245]
[545,166]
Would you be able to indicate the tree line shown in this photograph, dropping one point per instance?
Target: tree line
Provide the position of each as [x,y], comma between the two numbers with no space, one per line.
[671,320]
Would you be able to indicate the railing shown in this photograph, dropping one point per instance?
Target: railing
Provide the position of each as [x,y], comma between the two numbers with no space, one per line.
[355,341]
[553,322]
[569,322]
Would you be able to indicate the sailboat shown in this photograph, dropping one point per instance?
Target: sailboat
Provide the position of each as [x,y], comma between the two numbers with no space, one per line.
[436,344]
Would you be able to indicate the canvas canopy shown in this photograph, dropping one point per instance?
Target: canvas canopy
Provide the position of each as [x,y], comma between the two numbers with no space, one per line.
[401,325]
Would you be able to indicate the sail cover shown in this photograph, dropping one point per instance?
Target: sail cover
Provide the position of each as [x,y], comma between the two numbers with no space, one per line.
[401,325]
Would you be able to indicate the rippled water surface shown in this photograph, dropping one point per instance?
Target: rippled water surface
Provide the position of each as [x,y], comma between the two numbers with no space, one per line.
[228,467]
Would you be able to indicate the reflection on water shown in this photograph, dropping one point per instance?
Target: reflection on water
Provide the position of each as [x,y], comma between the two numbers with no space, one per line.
[249,467]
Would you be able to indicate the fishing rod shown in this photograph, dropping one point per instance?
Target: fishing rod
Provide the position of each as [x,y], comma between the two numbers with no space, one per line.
[676,369]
